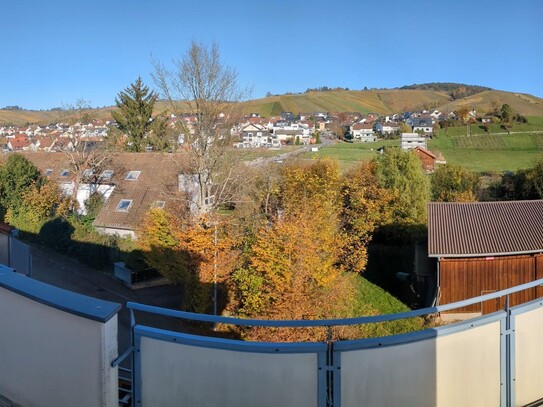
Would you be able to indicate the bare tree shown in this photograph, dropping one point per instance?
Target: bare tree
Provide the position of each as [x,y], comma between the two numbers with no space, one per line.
[86,156]
[201,85]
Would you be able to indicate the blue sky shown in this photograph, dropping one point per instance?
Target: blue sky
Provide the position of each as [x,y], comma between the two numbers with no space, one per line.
[55,52]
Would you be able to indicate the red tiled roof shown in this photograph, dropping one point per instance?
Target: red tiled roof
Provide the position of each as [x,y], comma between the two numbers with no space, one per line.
[362,126]
[485,228]
[424,151]
[18,143]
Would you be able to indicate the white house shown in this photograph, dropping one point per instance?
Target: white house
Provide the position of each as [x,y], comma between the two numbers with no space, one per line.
[409,141]
[387,127]
[255,135]
[286,136]
[363,132]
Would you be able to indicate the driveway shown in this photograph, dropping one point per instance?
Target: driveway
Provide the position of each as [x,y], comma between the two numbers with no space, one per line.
[64,272]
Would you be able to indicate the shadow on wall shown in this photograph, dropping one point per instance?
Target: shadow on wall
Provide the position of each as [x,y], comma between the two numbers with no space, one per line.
[193,295]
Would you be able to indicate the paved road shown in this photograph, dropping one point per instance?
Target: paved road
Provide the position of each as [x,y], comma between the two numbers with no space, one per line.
[64,272]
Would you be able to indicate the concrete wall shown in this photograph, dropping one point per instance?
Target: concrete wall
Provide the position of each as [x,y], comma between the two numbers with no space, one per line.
[51,352]
[195,374]
[528,356]
[458,369]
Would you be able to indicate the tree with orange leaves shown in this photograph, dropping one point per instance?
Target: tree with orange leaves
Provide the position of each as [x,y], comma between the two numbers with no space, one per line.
[293,270]
[194,254]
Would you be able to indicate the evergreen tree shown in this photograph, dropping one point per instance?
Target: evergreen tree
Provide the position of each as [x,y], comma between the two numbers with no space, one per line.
[134,119]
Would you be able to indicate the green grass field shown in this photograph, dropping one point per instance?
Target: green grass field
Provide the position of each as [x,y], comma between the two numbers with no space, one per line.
[348,154]
[481,152]
[488,153]
[373,300]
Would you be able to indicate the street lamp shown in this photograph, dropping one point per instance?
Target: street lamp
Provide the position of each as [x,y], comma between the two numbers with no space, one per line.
[215,276]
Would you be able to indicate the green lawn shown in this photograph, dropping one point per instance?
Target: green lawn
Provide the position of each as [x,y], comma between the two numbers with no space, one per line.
[480,152]
[373,300]
[249,154]
[348,154]
[491,152]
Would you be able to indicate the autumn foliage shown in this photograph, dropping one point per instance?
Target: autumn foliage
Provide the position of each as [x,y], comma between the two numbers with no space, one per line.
[294,251]
[194,254]
[303,264]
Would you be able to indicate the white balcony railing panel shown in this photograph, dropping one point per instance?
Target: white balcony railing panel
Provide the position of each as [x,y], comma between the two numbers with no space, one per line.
[528,356]
[175,374]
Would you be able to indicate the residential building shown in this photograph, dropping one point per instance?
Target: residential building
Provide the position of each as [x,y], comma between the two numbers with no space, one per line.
[409,141]
[387,127]
[363,132]
[255,135]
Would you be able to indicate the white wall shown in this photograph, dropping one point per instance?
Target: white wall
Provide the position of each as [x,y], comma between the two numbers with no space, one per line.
[121,232]
[459,369]
[528,356]
[175,374]
[49,357]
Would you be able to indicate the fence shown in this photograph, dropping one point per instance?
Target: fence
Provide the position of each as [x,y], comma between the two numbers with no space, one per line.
[57,348]
[492,360]
[15,254]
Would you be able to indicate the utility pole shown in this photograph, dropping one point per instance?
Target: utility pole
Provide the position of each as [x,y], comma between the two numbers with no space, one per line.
[215,276]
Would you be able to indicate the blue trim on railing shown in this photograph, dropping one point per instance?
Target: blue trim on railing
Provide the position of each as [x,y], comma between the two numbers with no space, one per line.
[336,377]
[317,348]
[321,378]
[125,354]
[63,300]
[328,322]
[137,389]
[229,344]
[416,336]
[330,365]
[527,306]
[512,361]
[503,363]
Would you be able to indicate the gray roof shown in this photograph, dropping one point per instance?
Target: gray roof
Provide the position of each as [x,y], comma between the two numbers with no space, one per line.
[477,229]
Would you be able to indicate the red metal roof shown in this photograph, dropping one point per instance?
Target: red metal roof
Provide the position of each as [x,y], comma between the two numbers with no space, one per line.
[484,228]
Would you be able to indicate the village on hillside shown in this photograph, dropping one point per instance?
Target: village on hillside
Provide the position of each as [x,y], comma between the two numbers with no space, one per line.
[131,183]
[251,131]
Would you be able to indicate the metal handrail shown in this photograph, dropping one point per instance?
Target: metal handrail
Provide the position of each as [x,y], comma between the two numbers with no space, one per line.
[328,322]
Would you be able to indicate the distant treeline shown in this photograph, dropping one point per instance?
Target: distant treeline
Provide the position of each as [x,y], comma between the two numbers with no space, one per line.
[325,89]
[455,90]
[12,108]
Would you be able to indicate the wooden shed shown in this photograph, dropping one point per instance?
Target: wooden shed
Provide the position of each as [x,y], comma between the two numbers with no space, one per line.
[482,247]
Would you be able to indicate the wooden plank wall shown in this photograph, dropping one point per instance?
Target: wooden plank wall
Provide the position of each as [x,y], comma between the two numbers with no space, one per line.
[465,278]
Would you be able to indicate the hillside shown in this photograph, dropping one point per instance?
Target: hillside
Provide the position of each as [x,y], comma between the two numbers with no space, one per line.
[522,103]
[376,101]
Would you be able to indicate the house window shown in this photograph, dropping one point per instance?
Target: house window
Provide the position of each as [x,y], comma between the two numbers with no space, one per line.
[106,175]
[210,200]
[124,205]
[64,173]
[48,172]
[159,204]
[132,175]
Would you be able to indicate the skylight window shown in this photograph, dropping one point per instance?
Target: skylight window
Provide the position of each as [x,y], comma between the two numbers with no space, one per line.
[107,174]
[87,173]
[132,175]
[159,204]
[64,173]
[48,172]
[124,205]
